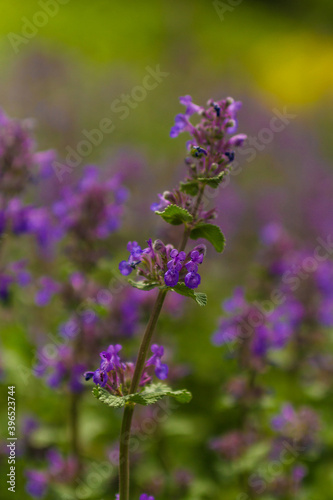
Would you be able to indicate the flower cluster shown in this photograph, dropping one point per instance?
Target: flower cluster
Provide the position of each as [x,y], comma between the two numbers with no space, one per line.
[161,264]
[59,470]
[211,139]
[233,444]
[60,368]
[16,154]
[249,325]
[300,426]
[116,375]
[89,212]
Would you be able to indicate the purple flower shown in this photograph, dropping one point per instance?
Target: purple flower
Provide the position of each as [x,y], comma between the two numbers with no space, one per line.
[161,205]
[177,259]
[100,377]
[171,277]
[191,108]
[37,483]
[161,370]
[48,289]
[192,280]
[144,496]
[197,256]
[235,303]
[126,267]
[110,359]
[298,473]
[182,123]
[237,140]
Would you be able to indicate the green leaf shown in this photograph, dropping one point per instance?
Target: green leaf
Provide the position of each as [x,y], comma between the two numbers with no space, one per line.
[211,233]
[141,285]
[212,181]
[189,187]
[175,215]
[148,396]
[182,289]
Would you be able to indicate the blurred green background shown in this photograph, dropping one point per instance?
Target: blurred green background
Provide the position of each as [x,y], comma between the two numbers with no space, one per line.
[270,55]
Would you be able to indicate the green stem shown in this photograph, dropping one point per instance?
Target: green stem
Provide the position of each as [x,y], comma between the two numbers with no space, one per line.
[125,433]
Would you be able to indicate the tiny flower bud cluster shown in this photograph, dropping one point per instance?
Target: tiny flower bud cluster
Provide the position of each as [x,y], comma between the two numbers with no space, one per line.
[210,136]
[163,264]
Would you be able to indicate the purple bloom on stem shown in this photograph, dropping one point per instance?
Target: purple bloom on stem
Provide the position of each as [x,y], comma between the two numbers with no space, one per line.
[134,249]
[110,359]
[191,266]
[182,123]
[125,268]
[161,370]
[177,259]
[100,377]
[161,205]
[192,280]
[233,110]
[171,277]
[237,140]
[144,496]
[197,257]
[191,108]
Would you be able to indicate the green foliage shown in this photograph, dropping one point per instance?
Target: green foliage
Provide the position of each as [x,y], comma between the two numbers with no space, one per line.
[141,285]
[211,233]
[190,187]
[212,182]
[148,396]
[182,289]
[175,215]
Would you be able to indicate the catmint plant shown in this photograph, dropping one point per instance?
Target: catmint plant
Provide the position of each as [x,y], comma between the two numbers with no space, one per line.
[265,335]
[210,153]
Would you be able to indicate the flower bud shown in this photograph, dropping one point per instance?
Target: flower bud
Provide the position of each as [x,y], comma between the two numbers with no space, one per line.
[159,246]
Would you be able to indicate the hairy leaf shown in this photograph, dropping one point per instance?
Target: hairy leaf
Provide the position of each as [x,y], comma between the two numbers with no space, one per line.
[182,289]
[148,396]
[212,181]
[211,233]
[190,187]
[175,215]
[141,285]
